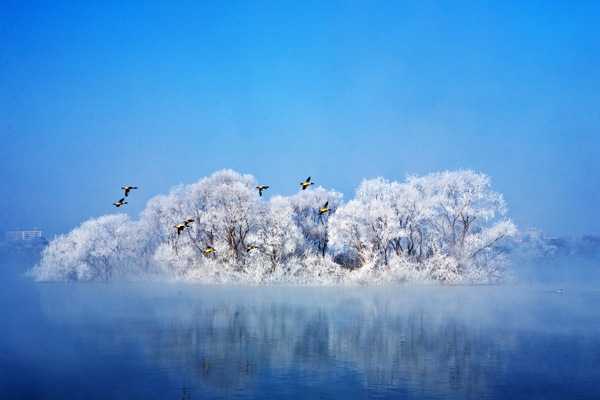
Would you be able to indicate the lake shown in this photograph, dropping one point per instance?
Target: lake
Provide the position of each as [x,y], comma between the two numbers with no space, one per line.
[161,341]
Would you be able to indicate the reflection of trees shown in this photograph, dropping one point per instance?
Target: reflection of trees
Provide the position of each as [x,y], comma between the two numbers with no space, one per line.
[223,338]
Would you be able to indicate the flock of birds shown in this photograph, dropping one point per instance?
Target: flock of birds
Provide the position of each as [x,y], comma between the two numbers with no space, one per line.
[185,224]
[122,201]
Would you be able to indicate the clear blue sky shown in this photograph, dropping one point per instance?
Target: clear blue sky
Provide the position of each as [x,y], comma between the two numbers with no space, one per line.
[98,95]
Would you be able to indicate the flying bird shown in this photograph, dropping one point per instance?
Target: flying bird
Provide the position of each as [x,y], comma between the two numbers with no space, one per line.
[187,221]
[305,184]
[120,202]
[209,250]
[127,189]
[261,188]
[248,248]
[180,229]
[324,209]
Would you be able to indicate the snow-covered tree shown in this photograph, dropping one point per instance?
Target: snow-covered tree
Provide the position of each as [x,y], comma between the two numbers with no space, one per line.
[384,219]
[440,227]
[464,206]
[99,249]
[233,213]
[278,235]
[413,209]
[308,206]
[438,222]
[224,208]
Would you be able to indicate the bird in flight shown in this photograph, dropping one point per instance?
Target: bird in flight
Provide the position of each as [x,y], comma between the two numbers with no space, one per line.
[120,202]
[187,221]
[127,189]
[306,183]
[209,250]
[261,188]
[324,209]
[180,229]
[248,248]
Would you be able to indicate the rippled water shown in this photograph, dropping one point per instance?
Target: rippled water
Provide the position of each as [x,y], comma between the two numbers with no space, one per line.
[125,341]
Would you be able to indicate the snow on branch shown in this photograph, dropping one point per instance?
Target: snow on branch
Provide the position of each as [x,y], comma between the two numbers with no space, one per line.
[438,228]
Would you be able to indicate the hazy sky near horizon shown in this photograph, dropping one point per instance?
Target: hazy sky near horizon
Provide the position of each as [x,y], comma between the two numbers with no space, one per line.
[99,95]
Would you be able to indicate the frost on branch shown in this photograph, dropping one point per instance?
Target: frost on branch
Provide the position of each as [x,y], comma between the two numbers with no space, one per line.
[100,249]
[437,228]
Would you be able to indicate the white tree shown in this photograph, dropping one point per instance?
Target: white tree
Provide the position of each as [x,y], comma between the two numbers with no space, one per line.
[99,249]
[370,225]
[464,205]
[278,235]
[313,223]
[61,261]
[236,211]
[224,208]
[169,250]
[437,222]
[440,227]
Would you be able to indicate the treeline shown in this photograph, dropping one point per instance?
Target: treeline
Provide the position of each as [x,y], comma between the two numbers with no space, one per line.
[438,228]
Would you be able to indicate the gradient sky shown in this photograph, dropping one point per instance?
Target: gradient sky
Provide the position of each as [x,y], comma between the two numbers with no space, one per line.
[98,95]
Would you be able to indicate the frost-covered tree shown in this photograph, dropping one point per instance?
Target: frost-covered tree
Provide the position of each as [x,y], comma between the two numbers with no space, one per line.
[224,208]
[384,219]
[464,206]
[441,227]
[99,249]
[439,222]
[413,210]
[234,212]
[313,223]
[278,236]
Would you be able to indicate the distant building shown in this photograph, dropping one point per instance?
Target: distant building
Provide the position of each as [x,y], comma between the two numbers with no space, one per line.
[24,236]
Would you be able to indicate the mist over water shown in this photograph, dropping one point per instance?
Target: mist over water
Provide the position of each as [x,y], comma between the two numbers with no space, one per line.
[128,340]
[573,271]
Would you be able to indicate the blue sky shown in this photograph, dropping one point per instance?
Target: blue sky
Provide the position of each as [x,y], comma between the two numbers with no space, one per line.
[98,95]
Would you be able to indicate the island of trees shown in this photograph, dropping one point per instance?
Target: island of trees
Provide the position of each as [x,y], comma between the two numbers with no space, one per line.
[444,228]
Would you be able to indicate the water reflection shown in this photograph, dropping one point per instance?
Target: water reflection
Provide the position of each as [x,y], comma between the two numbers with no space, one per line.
[311,342]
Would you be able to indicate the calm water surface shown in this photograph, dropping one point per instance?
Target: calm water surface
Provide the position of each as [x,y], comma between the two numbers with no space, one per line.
[126,341]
